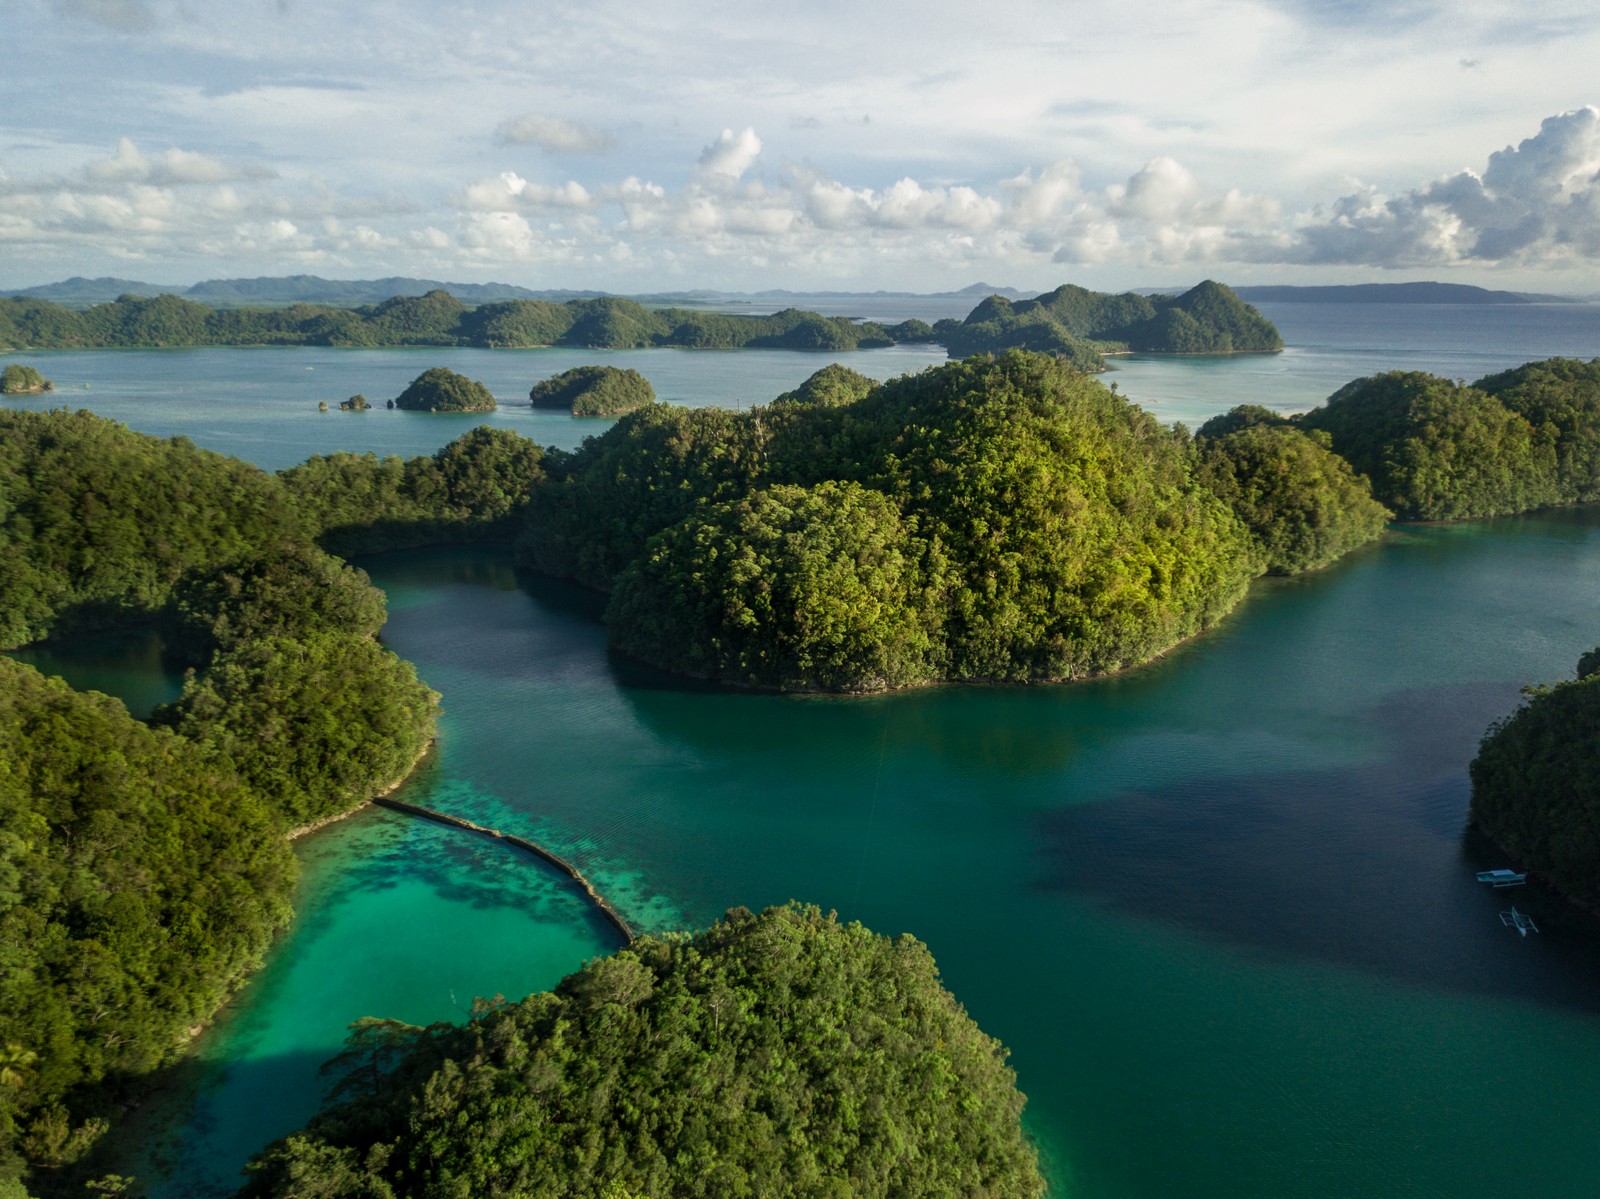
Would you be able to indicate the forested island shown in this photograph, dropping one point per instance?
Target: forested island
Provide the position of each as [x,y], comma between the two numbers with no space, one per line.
[440,389]
[998,519]
[775,1054]
[1536,783]
[19,380]
[1080,325]
[594,391]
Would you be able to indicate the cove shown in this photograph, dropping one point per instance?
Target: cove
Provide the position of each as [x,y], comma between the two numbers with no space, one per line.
[1221,909]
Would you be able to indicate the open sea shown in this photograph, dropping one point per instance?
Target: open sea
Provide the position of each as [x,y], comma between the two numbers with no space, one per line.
[1221,909]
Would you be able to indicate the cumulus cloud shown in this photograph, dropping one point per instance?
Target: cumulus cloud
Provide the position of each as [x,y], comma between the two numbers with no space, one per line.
[1537,202]
[174,168]
[554,134]
[730,156]
[178,203]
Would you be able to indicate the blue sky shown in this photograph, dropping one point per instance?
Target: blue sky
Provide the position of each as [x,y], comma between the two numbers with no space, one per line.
[645,146]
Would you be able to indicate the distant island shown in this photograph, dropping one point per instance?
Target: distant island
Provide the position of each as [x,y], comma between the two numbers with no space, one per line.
[594,391]
[1072,322]
[1083,325]
[79,292]
[1394,293]
[443,390]
[19,380]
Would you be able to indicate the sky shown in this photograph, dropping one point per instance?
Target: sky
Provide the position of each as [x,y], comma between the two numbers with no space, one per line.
[670,145]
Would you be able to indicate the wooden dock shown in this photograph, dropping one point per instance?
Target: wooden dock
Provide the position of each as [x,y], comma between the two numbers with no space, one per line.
[538,851]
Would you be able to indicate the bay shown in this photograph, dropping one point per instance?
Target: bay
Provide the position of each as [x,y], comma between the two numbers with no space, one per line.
[1221,909]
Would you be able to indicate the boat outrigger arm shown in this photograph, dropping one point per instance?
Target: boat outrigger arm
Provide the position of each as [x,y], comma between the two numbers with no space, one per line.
[1520,921]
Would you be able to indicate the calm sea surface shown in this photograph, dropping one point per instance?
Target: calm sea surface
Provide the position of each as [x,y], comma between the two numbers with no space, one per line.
[1221,909]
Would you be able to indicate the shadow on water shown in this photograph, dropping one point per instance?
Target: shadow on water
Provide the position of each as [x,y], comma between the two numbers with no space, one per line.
[1368,868]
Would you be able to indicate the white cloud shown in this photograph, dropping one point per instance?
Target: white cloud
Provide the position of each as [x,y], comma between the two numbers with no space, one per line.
[1536,202]
[554,134]
[730,156]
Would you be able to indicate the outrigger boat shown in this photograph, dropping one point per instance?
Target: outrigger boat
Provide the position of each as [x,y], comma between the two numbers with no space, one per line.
[1502,878]
[1520,921]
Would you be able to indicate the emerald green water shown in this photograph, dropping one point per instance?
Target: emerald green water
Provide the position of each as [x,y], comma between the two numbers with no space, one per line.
[1221,909]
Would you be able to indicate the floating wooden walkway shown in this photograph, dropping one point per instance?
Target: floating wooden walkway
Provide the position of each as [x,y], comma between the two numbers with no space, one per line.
[538,851]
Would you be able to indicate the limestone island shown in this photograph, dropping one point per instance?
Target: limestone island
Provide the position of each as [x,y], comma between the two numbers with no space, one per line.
[440,389]
[594,391]
[356,403]
[1000,520]
[19,380]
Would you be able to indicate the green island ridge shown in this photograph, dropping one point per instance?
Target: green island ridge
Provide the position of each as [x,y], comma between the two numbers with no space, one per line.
[780,1054]
[594,391]
[1009,519]
[440,389]
[1536,784]
[1000,518]
[1080,325]
[19,380]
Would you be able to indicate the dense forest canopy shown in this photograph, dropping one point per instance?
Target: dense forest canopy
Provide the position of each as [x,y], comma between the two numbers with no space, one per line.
[1536,783]
[593,391]
[1560,398]
[440,389]
[783,1054]
[1439,450]
[1027,523]
[1303,503]
[473,489]
[139,881]
[98,523]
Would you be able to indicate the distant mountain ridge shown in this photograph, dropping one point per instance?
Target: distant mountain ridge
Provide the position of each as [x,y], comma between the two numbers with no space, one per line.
[289,289]
[1394,293]
[79,292]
